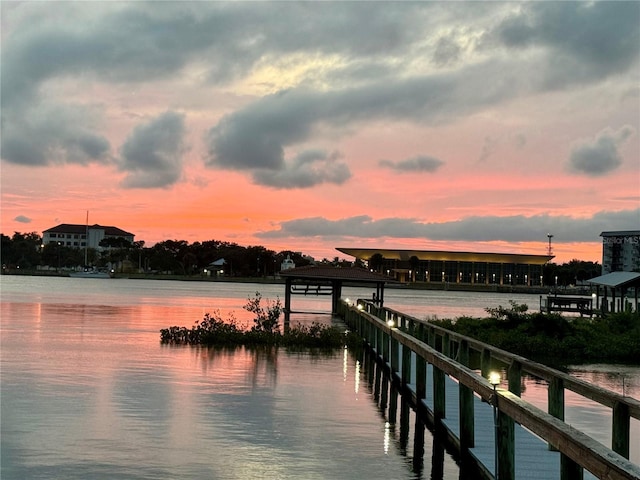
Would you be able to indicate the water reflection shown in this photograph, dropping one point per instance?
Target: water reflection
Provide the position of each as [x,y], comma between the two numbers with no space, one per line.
[88,392]
[410,439]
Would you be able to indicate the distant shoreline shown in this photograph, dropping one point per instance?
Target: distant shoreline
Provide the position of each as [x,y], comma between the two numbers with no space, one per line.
[444,286]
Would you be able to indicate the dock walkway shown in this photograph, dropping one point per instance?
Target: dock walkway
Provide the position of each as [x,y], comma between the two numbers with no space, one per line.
[491,426]
[535,461]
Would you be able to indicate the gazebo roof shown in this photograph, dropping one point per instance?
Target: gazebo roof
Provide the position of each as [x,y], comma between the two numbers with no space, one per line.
[617,280]
[329,272]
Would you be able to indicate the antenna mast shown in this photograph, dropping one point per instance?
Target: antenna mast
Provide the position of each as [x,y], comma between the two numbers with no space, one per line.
[549,249]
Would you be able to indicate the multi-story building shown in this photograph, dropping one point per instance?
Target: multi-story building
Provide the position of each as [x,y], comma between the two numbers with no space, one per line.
[620,251]
[81,236]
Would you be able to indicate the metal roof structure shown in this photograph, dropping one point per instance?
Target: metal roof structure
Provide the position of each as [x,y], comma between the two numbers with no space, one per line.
[617,280]
[405,255]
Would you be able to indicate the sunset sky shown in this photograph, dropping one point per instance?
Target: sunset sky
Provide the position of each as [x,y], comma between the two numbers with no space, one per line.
[312,125]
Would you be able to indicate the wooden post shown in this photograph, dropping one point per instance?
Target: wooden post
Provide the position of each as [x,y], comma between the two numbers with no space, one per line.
[446,345]
[570,470]
[485,362]
[404,423]
[418,444]
[421,370]
[287,302]
[467,432]
[385,346]
[555,400]
[395,350]
[439,389]
[336,293]
[393,403]
[506,428]
[384,390]
[621,431]
[506,447]
[514,375]
[406,365]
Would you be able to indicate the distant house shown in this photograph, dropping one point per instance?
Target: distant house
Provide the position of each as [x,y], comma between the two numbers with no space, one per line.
[287,264]
[620,251]
[216,268]
[81,236]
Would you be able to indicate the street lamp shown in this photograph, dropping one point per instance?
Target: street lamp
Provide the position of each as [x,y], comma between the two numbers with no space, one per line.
[494,379]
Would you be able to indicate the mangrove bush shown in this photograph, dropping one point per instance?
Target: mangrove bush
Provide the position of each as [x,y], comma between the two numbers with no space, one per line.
[542,336]
[266,330]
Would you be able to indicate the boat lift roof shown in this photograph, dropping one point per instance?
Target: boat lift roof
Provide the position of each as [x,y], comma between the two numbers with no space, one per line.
[617,280]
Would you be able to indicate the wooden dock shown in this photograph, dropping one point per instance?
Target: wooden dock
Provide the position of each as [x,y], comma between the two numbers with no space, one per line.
[504,436]
[567,303]
[534,458]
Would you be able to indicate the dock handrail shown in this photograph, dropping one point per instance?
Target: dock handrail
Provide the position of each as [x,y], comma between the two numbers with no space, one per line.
[598,394]
[573,444]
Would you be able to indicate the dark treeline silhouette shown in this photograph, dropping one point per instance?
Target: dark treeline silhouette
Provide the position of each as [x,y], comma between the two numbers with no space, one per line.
[177,257]
[571,273]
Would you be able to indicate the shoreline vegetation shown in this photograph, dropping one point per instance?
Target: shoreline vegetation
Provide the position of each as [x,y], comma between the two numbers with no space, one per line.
[213,330]
[549,338]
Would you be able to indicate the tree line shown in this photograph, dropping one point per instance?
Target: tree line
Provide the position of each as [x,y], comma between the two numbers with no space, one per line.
[179,257]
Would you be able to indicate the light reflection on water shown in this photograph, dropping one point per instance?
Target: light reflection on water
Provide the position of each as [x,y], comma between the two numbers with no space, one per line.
[88,391]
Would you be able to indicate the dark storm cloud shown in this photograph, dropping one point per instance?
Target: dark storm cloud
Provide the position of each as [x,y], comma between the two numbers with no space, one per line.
[307,169]
[586,40]
[152,155]
[52,134]
[377,45]
[138,42]
[421,163]
[256,136]
[517,228]
[600,156]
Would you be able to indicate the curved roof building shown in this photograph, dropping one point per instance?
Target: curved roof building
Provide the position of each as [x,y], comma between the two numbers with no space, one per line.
[454,267]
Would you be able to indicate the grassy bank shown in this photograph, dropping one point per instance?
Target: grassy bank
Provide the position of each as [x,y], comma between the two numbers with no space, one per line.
[545,337]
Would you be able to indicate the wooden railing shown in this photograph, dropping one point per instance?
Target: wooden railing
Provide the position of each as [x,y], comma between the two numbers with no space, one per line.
[395,335]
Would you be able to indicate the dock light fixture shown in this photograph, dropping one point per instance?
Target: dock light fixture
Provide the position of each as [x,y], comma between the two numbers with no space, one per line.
[391,323]
[360,307]
[494,379]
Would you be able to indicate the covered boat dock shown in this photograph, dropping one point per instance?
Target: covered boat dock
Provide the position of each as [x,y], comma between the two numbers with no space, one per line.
[616,282]
[328,280]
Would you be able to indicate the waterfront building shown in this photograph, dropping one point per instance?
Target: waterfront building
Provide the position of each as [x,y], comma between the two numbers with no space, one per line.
[454,267]
[287,264]
[81,236]
[620,251]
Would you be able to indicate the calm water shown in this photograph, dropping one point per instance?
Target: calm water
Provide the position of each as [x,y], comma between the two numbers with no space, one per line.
[88,392]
